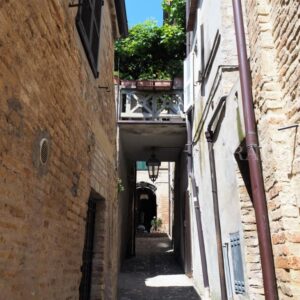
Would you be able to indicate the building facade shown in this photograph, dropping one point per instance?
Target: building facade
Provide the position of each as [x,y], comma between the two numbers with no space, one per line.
[227,264]
[58,179]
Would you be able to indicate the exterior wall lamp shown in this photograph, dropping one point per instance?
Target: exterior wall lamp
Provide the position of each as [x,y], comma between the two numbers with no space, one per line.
[153,165]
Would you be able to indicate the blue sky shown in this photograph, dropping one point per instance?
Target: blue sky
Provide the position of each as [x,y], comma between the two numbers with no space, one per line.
[140,10]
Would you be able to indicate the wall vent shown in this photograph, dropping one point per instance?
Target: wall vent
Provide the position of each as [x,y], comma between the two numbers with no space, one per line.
[41,152]
[44,151]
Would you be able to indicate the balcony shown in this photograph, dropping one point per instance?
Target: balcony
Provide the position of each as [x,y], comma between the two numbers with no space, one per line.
[151,114]
[151,100]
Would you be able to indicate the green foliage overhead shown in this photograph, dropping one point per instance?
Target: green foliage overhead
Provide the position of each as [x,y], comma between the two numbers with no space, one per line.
[151,51]
[175,11]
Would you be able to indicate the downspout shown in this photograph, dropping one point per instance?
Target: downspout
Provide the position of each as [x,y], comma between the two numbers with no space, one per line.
[210,137]
[256,177]
[196,203]
[134,210]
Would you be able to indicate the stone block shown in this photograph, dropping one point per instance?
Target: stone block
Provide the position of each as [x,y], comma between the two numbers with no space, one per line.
[295,276]
[293,236]
[278,238]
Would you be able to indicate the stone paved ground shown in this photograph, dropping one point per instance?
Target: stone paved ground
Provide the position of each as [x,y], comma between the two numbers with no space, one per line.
[154,274]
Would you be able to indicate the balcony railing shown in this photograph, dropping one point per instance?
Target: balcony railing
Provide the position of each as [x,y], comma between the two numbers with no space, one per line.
[150,101]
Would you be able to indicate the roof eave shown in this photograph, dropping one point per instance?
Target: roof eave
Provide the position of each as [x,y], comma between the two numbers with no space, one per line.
[122,17]
[192,15]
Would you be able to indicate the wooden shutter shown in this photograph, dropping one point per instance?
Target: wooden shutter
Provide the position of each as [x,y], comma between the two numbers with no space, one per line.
[188,82]
[88,22]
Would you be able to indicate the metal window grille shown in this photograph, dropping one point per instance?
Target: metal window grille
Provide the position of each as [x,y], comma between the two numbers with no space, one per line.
[88,25]
[238,271]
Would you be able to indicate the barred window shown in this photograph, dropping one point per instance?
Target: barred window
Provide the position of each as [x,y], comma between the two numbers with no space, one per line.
[88,21]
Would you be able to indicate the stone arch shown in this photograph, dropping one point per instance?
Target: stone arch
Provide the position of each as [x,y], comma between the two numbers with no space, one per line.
[146,204]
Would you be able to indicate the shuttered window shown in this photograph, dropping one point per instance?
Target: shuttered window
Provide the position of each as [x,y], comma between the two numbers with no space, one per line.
[88,24]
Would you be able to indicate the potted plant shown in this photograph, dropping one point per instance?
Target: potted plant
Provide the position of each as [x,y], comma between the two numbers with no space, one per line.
[156,224]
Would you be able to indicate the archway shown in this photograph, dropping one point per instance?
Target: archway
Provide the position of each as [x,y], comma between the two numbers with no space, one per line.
[146,206]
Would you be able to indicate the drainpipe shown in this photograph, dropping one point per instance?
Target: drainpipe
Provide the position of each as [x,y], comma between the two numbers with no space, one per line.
[169,197]
[256,177]
[211,137]
[196,203]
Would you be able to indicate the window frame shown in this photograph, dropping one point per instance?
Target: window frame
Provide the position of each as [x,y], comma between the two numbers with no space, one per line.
[141,166]
[88,39]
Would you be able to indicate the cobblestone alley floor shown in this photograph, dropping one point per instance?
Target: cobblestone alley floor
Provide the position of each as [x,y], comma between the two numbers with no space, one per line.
[154,274]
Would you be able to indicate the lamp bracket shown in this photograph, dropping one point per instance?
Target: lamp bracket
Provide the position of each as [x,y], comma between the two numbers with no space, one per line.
[72,4]
[104,87]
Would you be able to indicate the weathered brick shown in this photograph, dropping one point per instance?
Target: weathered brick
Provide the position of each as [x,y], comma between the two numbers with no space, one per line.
[293,236]
[295,276]
[273,33]
[278,238]
[47,86]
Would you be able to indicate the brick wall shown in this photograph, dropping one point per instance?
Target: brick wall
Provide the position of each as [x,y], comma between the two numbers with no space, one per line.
[47,89]
[274,36]
[163,197]
[251,249]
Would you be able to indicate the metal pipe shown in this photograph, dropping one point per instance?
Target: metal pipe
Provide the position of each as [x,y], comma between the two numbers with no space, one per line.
[143,122]
[288,127]
[169,196]
[256,177]
[196,204]
[221,69]
[210,137]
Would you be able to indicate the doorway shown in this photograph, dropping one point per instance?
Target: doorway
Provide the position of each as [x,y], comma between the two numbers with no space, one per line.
[146,208]
[92,279]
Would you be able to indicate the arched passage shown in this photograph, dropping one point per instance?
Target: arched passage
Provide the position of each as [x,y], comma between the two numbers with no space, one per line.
[146,206]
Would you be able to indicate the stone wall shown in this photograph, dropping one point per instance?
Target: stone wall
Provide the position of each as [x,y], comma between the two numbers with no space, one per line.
[274,35]
[47,89]
[251,249]
[163,197]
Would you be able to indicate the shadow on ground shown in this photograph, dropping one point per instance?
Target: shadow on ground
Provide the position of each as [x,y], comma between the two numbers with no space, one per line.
[154,273]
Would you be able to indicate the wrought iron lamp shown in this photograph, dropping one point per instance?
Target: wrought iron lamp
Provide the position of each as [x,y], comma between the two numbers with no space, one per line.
[153,165]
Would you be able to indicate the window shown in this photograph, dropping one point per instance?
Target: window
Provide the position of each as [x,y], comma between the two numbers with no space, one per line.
[141,166]
[88,25]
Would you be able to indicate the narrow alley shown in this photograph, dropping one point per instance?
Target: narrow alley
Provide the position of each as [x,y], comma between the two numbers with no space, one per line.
[149,150]
[154,273]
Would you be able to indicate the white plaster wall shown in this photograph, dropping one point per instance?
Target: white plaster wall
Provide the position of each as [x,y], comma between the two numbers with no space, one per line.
[215,15]
[224,149]
[227,143]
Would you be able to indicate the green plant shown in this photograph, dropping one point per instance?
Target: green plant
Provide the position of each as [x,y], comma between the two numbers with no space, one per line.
[120,186]
[151,51]
[156,223]
[175,11]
